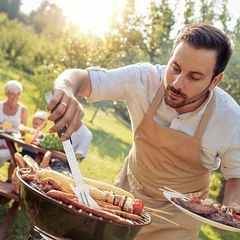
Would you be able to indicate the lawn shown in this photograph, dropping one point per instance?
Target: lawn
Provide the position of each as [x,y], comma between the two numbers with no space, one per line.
[111,142]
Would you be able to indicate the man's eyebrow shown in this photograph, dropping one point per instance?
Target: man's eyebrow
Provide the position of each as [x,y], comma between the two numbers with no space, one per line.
[193,72]
[200,73]
[174,62]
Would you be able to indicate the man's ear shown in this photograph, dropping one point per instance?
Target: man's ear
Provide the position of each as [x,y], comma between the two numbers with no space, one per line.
[216,81]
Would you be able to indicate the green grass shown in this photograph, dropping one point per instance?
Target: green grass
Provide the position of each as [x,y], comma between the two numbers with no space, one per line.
[110,145]
[112,140]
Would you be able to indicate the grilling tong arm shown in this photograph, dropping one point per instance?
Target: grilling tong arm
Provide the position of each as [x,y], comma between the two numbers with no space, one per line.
[81,190]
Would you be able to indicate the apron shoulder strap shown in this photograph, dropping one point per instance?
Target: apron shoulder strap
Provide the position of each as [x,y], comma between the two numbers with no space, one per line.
[205,118]
[156,101]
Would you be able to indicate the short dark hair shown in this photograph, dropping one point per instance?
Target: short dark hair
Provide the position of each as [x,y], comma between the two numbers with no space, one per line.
[205,36]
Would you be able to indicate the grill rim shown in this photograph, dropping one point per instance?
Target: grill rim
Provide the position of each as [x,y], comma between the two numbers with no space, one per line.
[145,216]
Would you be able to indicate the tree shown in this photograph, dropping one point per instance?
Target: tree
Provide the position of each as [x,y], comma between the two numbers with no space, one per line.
[12,8]
[156,31]
[231,81]
[189,11]
[124,39]
[47,14]
[80,49]
[207,13]
[16,43]
[224,16]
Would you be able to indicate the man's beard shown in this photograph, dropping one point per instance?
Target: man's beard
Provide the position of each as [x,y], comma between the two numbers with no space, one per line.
[186,101]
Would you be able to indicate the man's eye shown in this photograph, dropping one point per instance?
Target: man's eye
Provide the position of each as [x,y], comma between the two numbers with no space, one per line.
[194,78]
[175,69]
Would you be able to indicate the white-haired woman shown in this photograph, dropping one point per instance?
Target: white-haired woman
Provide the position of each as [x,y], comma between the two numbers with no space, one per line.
[13,112]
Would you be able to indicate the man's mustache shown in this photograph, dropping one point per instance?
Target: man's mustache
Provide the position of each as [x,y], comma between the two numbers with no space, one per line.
[176,91]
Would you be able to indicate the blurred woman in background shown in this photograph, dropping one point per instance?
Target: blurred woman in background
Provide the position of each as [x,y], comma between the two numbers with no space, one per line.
[12,113]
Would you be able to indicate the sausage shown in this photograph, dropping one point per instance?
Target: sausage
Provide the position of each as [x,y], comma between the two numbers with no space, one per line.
[46,159]
[96,212]
[123,214]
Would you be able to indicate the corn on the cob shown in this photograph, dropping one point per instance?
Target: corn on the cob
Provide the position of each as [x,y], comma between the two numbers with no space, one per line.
[106,193]
[66,181]
[107,187]
[30,162]
[95,187]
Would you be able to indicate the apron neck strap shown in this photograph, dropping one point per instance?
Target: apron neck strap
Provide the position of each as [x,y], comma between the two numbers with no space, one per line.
[156,101]
[205,118]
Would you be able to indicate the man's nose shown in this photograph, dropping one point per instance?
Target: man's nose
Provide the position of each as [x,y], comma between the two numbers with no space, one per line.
[179,82]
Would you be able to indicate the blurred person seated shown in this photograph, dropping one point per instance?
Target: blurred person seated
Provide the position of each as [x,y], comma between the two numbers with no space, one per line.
[81,140]
[12,113]
[39,122]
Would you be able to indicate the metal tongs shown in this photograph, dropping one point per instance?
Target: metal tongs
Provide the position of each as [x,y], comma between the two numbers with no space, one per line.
[81,190]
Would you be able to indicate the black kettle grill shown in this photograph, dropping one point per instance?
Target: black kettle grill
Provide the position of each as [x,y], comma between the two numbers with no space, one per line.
[49,219]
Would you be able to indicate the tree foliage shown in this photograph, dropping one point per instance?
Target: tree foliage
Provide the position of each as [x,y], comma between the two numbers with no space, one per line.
[156,31]
[16,43]
[11,8]
[47,14]
[44,44]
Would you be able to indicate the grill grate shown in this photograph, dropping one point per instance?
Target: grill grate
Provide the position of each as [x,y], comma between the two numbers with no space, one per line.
[30,192]
[145,217]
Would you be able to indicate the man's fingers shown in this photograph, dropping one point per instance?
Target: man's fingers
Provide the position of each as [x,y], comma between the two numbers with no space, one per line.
[55,100]
[71,128]
[68,113]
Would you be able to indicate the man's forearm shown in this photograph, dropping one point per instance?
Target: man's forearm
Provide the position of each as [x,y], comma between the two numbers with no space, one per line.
[76,81]
[232,191]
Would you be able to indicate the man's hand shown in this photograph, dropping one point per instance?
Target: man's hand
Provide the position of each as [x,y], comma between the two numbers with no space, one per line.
[68,108]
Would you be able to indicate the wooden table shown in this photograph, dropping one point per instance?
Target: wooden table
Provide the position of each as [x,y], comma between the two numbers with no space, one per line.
[13,140]
[7,192]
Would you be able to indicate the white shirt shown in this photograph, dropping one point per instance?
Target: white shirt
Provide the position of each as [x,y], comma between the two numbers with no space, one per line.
[14,119]
[81,139]
[137,84]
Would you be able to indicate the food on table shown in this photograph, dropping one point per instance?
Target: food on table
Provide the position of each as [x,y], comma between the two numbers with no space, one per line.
[7,126]
[24,129]
[51,141]
[210,210]
[29,137]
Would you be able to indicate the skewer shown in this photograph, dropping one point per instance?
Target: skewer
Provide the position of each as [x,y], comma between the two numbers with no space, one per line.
[164,219]
[156,210]
[178,193]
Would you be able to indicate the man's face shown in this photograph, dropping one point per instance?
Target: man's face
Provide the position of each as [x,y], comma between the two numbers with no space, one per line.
[188,77]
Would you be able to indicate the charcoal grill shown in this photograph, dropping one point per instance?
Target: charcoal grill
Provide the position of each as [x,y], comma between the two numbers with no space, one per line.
[50,219]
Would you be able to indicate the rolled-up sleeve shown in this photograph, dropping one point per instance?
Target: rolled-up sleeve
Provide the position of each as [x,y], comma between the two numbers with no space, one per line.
[230,161]
[123,83]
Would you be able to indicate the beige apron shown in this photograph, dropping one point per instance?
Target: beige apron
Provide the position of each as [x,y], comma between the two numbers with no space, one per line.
[160,157]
